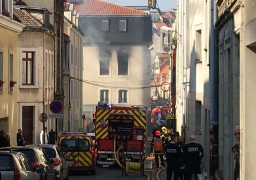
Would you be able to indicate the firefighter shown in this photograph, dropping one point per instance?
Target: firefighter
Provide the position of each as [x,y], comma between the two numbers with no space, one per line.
[157,148]
[164,136]
[193,153]
[173,156]
[182,165]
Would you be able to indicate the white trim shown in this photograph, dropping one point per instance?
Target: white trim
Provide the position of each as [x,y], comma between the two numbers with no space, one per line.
[36,68]
[10,24]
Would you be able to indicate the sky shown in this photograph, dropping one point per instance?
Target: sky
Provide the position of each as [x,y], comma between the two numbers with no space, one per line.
[164,5]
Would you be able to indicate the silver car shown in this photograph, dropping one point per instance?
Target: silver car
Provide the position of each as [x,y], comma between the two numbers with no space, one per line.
[15,165]
[60,162]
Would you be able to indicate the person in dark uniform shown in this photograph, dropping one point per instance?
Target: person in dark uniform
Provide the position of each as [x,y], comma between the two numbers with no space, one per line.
[157,148]
[173,156]
[182,165]
[20,138]
[193,153]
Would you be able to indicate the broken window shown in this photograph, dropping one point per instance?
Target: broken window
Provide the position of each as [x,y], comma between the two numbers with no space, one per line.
[122,63]
[104,58]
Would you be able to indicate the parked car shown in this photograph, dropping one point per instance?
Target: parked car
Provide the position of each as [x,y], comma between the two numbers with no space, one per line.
[38,158]
[15,166]
[60,162]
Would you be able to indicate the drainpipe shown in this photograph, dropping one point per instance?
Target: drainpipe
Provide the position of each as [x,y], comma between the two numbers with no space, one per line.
[43,86]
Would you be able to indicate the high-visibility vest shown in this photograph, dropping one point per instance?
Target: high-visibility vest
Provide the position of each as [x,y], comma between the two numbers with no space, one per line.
[158,144]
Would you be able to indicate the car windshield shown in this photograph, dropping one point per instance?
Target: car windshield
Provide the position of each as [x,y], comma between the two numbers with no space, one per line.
[75,145]
[29,153]
[50,152]
[6,162]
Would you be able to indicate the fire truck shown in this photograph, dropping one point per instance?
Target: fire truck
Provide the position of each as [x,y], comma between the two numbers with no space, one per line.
[119,127]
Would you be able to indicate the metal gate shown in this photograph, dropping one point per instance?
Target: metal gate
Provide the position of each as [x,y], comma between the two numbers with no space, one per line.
[28,123]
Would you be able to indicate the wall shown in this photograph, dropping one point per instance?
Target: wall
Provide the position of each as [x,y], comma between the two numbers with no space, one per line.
[8,106]
[137,82]
[41,94]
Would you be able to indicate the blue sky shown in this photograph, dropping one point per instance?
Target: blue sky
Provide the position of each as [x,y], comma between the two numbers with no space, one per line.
[164,5]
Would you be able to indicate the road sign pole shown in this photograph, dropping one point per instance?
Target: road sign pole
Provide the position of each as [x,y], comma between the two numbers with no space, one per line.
[43,132]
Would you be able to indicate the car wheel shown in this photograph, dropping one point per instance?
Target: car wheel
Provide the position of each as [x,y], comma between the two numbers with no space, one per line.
[93,172]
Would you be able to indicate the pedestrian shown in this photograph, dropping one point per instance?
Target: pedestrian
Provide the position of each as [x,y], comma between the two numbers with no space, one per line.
[173,156]
[52,137]
[20,138]
[236,154]
[8,139]
[182,165]
[193,153]
[237,133]
[157,148]
[2,138]
[44,136]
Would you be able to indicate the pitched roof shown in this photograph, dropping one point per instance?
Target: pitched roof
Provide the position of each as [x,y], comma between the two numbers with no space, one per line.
[158,25]
[100,7]
[25,18]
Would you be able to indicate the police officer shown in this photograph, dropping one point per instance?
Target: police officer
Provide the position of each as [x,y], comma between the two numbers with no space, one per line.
[182,168]
[157,145]
[173,156]
[193,153]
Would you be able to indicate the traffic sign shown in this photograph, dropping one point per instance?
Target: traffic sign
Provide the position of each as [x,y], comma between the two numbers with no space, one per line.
[56,116]
[56,106]
[43,117]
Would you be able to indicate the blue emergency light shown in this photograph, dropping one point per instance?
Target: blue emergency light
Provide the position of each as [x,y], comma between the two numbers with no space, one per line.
[159,116]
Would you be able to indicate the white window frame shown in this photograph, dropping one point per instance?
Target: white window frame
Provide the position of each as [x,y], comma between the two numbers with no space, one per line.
[36,65]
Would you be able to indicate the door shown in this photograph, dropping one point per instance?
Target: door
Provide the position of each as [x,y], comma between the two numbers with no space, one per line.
[85,153]
[28,123]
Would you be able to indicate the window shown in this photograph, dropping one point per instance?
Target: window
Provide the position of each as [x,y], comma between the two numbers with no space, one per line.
[166,39]
[122,96]
[105,25]
[122,25]
[104,59]
[1,71]
[27,68]
[72,54]
[198,45]
[104,95]
[75,56]
[198,117]
[122,64]
[11,72]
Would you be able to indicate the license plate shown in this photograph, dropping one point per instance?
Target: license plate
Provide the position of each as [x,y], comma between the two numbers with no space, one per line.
[71,162]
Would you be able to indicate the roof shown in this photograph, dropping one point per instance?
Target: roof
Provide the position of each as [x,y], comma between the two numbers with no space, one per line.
[158,25]
[25,18]
[100,7]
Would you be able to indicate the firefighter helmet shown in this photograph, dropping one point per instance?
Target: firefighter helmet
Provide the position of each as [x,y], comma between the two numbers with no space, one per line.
[157,133]
[163,128]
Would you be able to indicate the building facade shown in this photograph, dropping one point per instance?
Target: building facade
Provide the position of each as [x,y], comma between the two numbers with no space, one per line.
[116,57]
[73,73]
[36,72]
[193,72]
[9,76]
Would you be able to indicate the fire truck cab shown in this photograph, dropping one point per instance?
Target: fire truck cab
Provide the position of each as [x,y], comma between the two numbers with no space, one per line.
[119,127]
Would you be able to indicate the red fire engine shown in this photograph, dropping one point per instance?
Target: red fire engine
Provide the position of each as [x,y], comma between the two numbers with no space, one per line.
[119,127]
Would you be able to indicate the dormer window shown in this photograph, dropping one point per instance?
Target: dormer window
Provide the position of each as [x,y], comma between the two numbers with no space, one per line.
[6,8]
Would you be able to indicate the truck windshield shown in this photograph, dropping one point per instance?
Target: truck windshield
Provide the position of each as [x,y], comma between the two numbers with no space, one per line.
[69,145]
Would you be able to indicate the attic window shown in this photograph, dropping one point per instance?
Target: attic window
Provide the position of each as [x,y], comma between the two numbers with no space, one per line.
[123,25]
[105,25]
